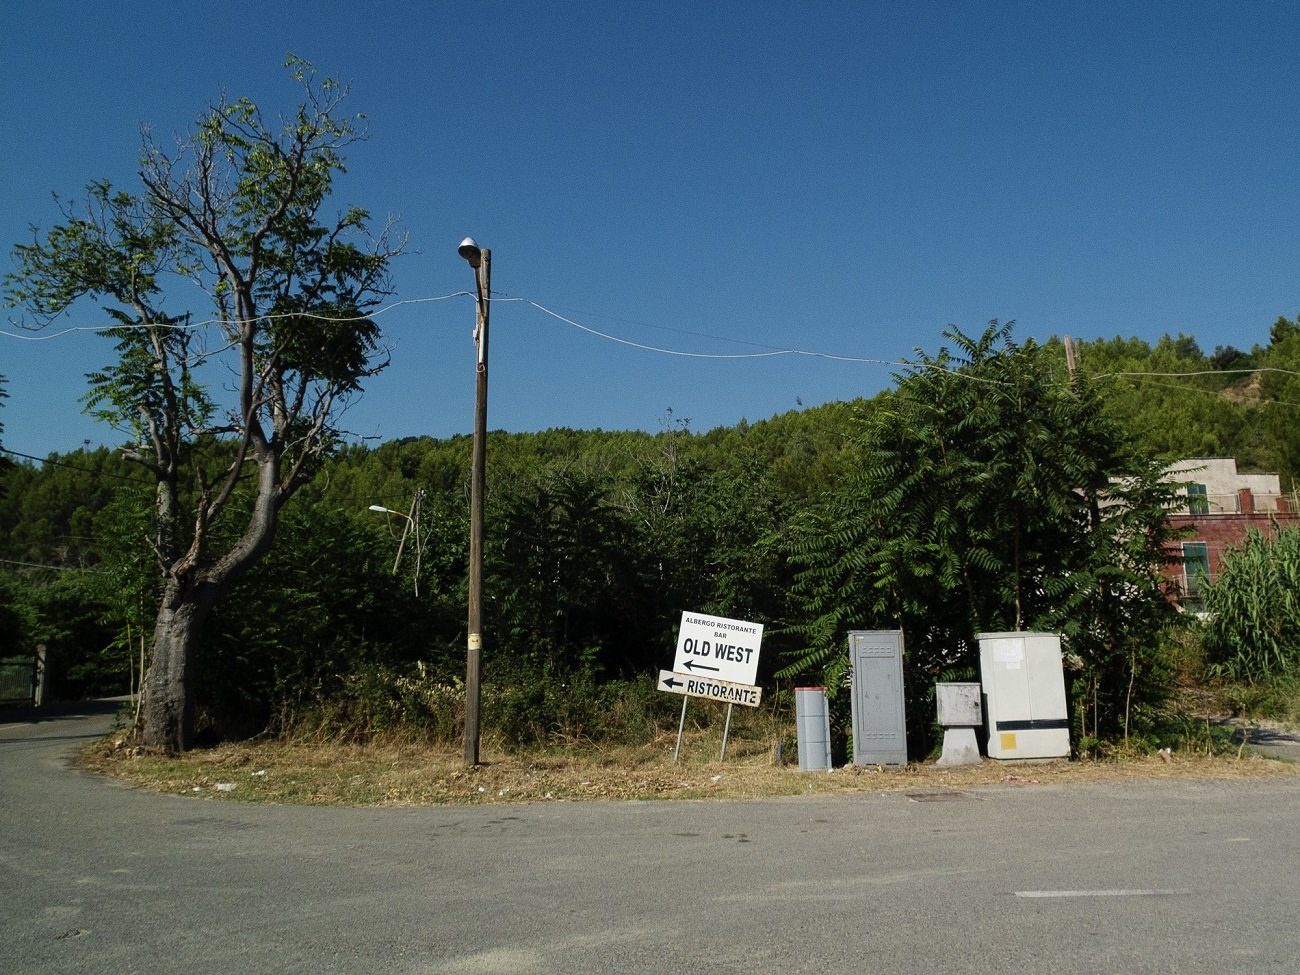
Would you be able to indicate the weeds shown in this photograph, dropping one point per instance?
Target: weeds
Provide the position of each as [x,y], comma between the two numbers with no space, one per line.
[407,773]
[393,738]
[1277,700]
[523,707]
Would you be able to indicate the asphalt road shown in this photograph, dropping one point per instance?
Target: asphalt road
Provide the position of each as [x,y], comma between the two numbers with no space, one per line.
[1158,877]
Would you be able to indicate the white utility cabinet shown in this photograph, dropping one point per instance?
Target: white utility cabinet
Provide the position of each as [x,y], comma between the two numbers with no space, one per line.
[1024,695]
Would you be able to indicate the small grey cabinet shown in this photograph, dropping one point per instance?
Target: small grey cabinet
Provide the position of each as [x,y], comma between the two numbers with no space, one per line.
[879,718]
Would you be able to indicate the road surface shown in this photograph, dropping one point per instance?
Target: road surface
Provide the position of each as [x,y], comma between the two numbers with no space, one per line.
[1155,877]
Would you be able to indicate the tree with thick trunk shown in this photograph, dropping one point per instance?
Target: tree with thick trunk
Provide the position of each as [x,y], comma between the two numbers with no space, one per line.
[233,212]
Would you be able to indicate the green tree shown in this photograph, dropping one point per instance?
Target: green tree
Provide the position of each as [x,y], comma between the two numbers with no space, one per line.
[5,462]
[1179,403]
[562,569]
[236,208]
[1279,384]
[993,495]
[320,608]
[17,616]
[1253,608]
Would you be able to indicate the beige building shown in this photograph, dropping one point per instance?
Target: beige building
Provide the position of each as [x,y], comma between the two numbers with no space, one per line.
[1213,487]
[1222,506]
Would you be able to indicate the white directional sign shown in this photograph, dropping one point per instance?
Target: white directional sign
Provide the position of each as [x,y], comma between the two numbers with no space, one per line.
[717,690]
[718,648]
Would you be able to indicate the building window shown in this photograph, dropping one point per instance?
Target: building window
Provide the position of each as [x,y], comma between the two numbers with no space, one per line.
[1198,499]
[1196,568]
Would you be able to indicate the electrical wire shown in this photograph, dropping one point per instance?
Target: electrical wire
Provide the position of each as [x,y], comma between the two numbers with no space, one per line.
[57,568]
[1202,372]
[695,355]
[74,467]
[1146,380]
[768,353]
[193,326]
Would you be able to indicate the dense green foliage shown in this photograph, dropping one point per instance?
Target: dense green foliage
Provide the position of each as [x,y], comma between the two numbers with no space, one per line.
[1178,402]
[978,495]
[596,542]
[992,495]
[1253,608]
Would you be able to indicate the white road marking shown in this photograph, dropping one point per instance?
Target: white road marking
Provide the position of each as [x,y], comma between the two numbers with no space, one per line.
[1096,893]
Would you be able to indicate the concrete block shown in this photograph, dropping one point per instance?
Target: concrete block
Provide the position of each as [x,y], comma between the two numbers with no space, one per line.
[959,747]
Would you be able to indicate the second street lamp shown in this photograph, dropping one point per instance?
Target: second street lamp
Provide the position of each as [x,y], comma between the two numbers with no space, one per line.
[412,526]
[480,259]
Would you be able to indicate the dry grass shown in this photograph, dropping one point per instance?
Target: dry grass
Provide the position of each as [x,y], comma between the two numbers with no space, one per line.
[403,774]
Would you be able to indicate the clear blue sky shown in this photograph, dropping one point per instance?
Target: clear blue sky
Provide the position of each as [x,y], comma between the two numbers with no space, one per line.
[721,178]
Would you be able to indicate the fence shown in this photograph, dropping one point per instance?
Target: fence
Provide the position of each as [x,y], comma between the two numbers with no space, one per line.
[18,681]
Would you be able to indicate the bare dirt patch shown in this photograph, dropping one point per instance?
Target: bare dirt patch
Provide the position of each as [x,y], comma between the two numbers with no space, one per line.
[404,774]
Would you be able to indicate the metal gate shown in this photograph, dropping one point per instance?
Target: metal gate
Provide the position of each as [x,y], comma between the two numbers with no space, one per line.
[18,681]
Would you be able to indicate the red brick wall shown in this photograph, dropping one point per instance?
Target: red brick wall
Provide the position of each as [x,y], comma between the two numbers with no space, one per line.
[1222,532]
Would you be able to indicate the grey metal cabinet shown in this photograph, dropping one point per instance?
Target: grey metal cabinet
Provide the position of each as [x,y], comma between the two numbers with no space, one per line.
[879,716]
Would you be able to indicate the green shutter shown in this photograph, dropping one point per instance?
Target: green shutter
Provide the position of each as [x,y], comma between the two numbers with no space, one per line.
[1196,566]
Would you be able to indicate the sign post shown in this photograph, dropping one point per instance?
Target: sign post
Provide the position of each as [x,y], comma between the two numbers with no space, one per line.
[717,658]
[681,723]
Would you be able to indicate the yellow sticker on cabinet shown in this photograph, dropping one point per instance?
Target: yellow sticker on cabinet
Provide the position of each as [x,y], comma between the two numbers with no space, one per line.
[1008,741]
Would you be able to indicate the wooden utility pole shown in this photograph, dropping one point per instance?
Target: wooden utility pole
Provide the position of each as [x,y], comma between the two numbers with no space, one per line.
[480,259]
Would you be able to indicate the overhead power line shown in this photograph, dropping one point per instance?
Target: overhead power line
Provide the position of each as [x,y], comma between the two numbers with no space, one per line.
[57,568]
[34,335]
[73,467]
[766,353]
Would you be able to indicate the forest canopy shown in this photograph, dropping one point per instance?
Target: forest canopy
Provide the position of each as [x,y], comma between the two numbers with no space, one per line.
[813,522]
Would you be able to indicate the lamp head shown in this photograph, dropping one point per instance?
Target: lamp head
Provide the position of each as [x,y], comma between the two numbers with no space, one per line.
[470,250]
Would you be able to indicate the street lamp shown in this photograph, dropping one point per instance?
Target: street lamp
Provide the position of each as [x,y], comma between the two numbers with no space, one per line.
[480,259]
[412,525]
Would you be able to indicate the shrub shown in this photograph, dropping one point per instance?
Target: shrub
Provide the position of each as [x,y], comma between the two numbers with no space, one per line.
[1253,609]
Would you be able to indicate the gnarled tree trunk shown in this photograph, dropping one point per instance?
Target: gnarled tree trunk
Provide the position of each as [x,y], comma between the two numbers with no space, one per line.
[167,711]
[236,209]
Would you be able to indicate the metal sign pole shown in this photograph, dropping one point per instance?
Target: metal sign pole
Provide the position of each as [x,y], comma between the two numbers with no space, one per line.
[726,728]
[680,725]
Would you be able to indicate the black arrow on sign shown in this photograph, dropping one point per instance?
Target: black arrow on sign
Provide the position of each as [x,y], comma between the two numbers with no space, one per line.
[692,665]
[670,682]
